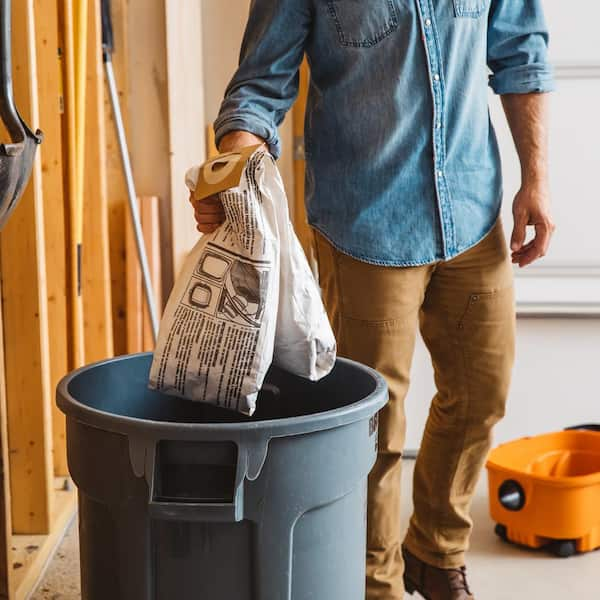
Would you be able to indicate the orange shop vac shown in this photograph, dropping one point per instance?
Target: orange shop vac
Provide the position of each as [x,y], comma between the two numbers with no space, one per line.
[544,490]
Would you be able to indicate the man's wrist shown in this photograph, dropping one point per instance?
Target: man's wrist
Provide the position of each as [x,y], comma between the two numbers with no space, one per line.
[535,172]
[237,139]
[534,180]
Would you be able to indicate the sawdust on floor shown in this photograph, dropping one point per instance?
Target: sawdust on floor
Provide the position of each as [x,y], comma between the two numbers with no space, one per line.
[61,580]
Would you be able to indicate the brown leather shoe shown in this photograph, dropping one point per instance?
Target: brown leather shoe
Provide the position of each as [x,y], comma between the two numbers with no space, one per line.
[433,583]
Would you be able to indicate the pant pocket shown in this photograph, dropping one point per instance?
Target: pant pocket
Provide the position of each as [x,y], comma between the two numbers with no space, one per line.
[488,307]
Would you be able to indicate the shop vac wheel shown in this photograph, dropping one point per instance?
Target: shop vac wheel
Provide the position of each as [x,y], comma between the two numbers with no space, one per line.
[500,531]
[563,548]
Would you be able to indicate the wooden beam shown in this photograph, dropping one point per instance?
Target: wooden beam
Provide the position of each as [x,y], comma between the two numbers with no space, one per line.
[76,200]
[186,116]
[139,328]
[5,510]
[149,211]
[148,103]
[116,188]
[50,107]
[25,315]
[97,307]
[134,314]
[74,304]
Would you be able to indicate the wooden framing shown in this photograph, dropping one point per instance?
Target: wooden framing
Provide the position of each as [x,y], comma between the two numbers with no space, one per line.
[134,296]
[139,328]
[5,508]
[25,317]
[46,326]
[97,307]
[50,107]
[187,140]
[34,342]
[149,211]
[115,182]
[76,200]
[74,303]
[148,94]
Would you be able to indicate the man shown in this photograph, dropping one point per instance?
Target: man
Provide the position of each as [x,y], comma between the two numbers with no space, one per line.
[404,192]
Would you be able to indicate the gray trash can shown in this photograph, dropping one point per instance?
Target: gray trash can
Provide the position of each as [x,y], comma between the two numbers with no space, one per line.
[182,500]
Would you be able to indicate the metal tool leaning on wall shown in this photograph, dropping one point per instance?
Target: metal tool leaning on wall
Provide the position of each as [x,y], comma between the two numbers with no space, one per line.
[246,296]
[16,157]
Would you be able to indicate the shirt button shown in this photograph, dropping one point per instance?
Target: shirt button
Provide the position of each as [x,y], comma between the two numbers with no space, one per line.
[438,125]
[440,173]
[436,76]
[427,22]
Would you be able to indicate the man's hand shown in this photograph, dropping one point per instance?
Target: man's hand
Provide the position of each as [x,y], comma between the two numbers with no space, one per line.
[208,212]
[531,207]
[527,116]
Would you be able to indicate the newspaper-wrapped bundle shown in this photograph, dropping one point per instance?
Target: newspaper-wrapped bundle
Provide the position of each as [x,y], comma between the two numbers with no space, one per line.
[244,290]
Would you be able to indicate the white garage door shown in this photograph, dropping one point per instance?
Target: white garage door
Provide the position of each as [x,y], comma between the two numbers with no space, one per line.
[558,346]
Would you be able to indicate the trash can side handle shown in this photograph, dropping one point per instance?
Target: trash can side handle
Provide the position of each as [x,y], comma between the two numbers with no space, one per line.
[170,497]
[189,511]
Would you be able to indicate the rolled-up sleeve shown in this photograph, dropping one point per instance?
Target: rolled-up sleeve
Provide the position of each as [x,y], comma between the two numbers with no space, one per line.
[266,82]
[518,48]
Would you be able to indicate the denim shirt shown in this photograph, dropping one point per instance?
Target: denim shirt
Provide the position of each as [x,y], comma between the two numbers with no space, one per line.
[402,163]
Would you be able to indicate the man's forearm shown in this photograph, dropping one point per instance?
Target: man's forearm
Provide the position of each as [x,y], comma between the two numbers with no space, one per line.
[527,116]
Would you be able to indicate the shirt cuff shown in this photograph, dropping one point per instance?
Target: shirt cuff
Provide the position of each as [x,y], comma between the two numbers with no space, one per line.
[252,123]
[525,79]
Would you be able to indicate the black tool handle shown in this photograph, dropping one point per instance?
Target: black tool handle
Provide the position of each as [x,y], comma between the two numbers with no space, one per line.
[108,38]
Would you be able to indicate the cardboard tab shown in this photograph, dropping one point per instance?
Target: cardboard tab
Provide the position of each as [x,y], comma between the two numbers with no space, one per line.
[222,172]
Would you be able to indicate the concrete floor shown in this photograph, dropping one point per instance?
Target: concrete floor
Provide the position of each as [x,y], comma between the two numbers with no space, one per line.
[497,571]
[61,580]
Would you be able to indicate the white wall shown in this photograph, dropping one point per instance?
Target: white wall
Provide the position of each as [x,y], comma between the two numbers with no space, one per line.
[555,381]
[223,25]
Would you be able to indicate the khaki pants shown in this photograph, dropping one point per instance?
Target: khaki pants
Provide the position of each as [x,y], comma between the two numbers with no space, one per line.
[465,311]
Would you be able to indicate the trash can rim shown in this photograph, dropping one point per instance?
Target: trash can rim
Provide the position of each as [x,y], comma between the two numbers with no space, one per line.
[286,426]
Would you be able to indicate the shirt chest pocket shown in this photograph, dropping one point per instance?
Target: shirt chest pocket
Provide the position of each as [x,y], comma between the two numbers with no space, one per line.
[363,23]
[470,8]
